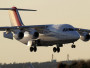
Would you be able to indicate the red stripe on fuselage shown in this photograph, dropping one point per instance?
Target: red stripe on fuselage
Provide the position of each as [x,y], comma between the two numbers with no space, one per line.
[16,17]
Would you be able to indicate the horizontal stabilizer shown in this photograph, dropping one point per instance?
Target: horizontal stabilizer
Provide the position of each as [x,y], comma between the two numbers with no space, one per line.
[27,10]
[14,8]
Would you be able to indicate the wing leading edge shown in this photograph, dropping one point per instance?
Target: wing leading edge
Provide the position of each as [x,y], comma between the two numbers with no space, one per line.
[39,28]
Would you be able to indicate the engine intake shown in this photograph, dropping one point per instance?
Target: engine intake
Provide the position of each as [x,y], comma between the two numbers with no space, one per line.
[20,35]
[34,34]
[85,37]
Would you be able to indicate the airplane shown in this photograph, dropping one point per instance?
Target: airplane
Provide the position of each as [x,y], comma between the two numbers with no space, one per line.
[42,35]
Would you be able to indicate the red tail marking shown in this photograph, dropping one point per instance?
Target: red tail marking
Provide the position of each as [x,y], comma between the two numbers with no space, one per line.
[16,16]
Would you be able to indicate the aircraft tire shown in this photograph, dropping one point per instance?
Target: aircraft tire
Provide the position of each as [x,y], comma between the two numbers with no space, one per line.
[35,49]
[73,46]
[58,49]
[31,49]
[54,49]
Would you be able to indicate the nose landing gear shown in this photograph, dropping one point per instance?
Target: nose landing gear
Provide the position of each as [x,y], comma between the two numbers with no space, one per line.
[73,46]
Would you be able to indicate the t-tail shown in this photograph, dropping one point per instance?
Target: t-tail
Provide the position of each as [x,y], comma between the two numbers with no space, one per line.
[15,16]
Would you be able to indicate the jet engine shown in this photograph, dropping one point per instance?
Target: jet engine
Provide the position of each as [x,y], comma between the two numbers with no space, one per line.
[85,37]
[8,35]
[32,34]
[19,35]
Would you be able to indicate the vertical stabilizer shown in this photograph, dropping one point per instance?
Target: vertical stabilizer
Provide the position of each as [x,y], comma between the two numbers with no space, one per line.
[15,17]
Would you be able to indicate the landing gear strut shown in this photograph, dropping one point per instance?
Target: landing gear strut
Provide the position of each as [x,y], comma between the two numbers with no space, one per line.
[34,44]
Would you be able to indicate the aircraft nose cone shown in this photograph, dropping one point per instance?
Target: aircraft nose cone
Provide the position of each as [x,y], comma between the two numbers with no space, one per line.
[76,36]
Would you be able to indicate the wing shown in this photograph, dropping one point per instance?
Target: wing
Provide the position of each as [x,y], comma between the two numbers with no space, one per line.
[80,30]
[39,28]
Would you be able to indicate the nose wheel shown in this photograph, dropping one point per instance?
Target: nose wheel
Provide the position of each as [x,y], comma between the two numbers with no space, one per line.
[56,49]
[73,46]
[33,49]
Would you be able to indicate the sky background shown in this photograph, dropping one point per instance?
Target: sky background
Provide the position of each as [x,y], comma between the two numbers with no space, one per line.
[74,12]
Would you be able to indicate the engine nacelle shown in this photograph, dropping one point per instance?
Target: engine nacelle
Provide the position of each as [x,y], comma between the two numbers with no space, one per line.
[85,37]
[19,35]
[33,34]
[8,35]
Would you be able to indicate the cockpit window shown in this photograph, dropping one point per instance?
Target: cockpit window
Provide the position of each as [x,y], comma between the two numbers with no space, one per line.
[68,29]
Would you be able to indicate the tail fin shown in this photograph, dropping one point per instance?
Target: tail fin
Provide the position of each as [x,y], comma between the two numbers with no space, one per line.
[15,16]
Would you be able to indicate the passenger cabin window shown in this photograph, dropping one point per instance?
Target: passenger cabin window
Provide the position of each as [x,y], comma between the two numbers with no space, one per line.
[68,29]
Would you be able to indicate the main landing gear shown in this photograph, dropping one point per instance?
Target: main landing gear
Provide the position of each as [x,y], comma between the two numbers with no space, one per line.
[56,49]
[33,49]
[33,45]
